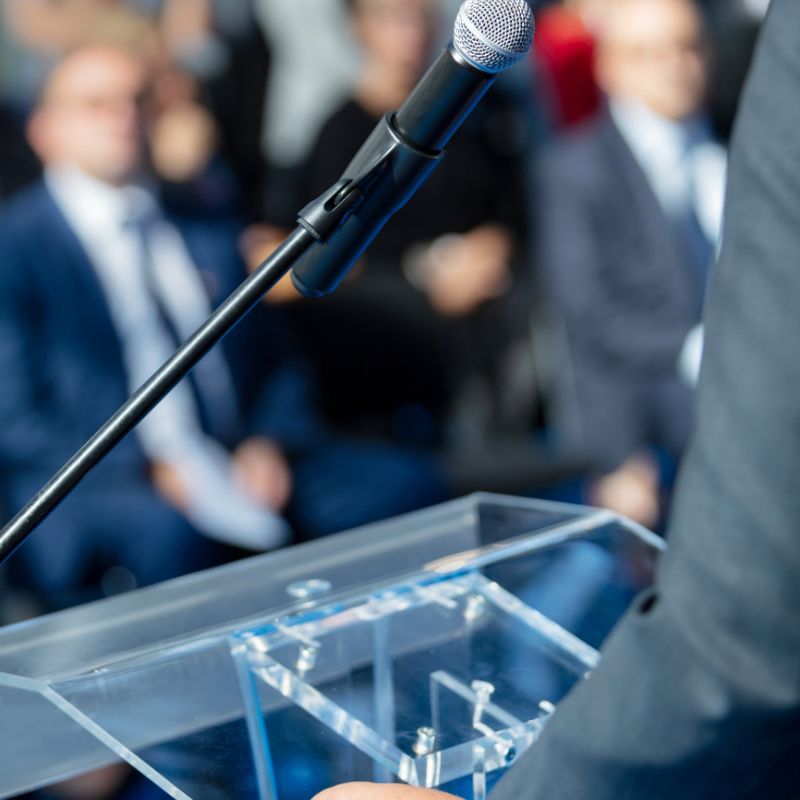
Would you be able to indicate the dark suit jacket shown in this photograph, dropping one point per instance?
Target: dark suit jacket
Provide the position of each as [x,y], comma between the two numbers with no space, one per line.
[61,358]
[616,271]
[698,694]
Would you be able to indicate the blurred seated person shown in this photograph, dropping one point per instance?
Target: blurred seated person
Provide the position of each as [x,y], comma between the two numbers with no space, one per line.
[432,291]
[630,213]
[187,153]
[98,285]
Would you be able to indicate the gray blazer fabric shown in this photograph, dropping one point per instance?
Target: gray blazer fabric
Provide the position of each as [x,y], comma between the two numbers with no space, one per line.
[698,695]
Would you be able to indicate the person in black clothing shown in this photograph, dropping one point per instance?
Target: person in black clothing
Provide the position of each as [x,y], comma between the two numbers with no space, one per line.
[437,279]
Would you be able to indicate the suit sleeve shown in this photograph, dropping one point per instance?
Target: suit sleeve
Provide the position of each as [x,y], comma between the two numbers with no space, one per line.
[698,694]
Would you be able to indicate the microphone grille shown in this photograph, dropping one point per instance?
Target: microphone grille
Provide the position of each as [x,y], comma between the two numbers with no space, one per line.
[494,34]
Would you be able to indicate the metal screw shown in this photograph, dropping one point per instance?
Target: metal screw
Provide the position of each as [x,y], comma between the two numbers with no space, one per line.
[476,605]
[308,590]
[426,741]
[483,695]
[307,659]
[483,690]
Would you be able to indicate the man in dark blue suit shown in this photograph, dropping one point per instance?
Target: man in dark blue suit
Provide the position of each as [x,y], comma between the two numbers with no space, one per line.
[630,211]
[97,286]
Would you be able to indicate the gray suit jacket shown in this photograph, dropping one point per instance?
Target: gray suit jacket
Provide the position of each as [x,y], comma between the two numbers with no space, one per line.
[698,695]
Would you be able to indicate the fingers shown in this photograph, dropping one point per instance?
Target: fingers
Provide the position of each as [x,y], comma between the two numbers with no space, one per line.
[382,791]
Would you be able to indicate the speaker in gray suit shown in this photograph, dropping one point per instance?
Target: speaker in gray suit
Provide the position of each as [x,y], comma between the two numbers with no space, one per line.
[698,694]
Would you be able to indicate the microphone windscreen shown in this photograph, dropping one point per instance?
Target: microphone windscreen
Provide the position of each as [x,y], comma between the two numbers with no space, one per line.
[493,35]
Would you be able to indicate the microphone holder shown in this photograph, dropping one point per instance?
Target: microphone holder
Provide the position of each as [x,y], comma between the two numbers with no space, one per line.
[317,223]
[386,172]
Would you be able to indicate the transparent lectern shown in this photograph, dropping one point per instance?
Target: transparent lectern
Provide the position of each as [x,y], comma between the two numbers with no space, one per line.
[430,649]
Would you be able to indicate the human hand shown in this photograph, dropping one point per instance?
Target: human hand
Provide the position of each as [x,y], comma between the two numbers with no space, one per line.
[183,140]
[101,784]
[632,490]
[380,791]
[462,272]
[261,469]
[256,245]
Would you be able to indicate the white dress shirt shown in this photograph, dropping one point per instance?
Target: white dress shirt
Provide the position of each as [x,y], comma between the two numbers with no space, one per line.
[104,219]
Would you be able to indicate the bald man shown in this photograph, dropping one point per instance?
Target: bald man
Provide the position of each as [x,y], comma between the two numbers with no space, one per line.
[698,693]
[98,286]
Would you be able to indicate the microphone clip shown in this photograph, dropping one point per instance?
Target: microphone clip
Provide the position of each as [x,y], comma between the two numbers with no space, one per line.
[323,216]
[384,174]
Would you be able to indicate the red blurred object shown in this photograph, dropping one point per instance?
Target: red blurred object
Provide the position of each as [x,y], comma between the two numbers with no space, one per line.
[564,55]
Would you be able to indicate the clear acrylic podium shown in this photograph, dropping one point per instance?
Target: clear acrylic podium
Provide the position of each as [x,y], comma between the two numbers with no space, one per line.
[430,649]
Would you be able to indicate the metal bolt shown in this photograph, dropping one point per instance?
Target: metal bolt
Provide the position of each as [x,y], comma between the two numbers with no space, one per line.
[483,695]
[476,605]
[307,659]
[483,691]
[308,590]
[426,741]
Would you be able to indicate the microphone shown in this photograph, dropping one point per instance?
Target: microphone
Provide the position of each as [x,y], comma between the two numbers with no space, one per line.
[489,37]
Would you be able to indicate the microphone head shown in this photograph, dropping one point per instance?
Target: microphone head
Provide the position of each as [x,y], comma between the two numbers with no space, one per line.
[494,34]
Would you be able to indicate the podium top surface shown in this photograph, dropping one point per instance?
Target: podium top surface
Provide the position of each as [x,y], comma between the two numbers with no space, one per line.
[199,605]
[190,664]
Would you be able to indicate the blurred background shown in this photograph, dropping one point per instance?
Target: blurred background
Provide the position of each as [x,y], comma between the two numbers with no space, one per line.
[530,323]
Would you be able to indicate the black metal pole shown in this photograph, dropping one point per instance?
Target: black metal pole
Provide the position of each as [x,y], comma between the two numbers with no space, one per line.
[152,392]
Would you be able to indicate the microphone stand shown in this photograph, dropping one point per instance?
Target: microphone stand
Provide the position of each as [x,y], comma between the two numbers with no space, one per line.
[316,224]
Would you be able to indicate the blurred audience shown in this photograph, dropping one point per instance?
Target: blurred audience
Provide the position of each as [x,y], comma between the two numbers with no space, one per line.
[428,340]
[630,212]
[98,285]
